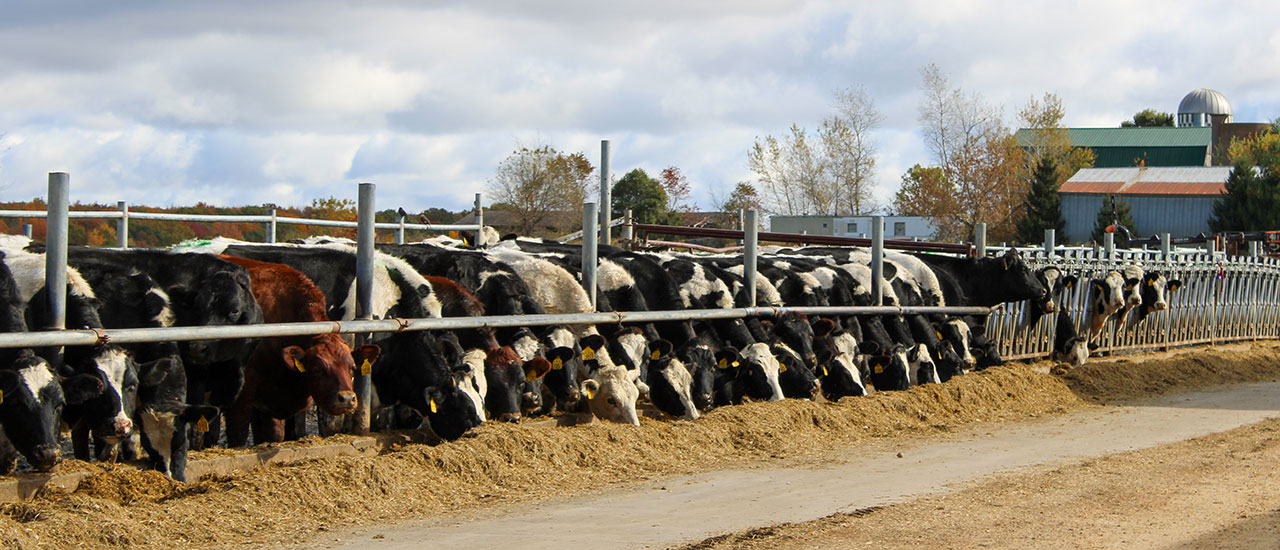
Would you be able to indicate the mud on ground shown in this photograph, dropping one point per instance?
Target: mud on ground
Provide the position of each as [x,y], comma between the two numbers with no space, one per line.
[502,464]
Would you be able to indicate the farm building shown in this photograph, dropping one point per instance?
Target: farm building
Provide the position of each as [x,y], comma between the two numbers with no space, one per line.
[1175,200]
[1205,128]
[895,227]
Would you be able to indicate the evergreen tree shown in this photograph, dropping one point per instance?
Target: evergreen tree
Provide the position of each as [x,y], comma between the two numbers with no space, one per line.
[644,196]
[1114,211]
[1251,200]
[1042,208]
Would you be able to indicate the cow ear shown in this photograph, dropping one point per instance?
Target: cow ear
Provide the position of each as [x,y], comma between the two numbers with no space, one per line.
[365,356]
[868,347]
[536,368]
[978,330]
[293,356]
[1131,282]
[660,349]
[180,295]
[823,327]
[80,388]
[591,344]
[726,357]
[559,356]
[1099,286]
[8,383]
[434,398]
[193,413]
[589,388]
[1174,285]
[977,353]
[1069,281]
[451,351]
[154,372]
[825,356]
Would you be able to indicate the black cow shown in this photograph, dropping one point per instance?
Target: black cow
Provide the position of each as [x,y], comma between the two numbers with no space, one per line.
[985,281]
[163,415]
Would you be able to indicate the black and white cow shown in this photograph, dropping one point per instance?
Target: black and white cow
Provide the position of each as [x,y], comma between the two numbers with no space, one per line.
[1069,344]
[1154,288]
[1106,297]
[670,383]
[1057,283]
[610,390]
[163,415]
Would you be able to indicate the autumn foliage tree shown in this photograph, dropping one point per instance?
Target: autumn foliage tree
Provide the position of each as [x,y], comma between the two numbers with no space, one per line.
[677,188]
[539,182]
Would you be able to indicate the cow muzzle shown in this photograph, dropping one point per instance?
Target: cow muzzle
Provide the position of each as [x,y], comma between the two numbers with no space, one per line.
[1050,307]
[344,403]
[121,426]
[45,457]
[509,417]
[1159,306]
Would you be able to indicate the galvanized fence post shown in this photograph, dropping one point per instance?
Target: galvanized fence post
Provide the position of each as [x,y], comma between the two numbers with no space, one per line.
[55,257]
[751,228]
[26,230]
[1049,235]
[122,225]
[877,258]
[400,230]
[589,250]
[628,229]
[480,221]
[366,208]
[271,227]
[979,237]
[606,192]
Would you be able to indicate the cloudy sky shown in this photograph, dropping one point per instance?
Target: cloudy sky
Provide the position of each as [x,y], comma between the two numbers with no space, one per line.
[232,103]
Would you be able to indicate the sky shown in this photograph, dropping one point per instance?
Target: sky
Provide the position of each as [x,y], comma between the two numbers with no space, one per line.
[252,102]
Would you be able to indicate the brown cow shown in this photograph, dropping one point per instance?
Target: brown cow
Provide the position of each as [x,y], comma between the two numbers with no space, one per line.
[285,374]
[455,301]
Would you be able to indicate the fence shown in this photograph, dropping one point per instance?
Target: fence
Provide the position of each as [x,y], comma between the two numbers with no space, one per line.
[1222,299]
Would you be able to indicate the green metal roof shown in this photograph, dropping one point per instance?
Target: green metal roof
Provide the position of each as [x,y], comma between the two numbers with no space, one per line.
[1133,137]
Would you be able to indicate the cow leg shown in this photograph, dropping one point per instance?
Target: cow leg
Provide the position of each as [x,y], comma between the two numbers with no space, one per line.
[105,452]
[197,394]
[129,446]
[80,441]
[8,456]
[295,427]
[267,429]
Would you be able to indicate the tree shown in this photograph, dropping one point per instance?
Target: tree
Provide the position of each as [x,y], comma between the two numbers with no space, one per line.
[1046,138]
[1148,118]
[644,196]
[1118,213]
[539,181]
[982,167]
[829,171]
[677,187]
[1042,208]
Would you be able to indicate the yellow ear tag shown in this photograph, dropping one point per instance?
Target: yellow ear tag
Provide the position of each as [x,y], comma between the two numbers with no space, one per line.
[735,363]
[433,405]
[298,365]
[557,364]
[939,334]
[1151,282]
[590,394]
[366,368]
[723,364]
[202,425]
[1,396]
[453,234]
[530,376]
[782,367]
[879,369]
[655,355]
[588,354]
[1069,284]
[824,370]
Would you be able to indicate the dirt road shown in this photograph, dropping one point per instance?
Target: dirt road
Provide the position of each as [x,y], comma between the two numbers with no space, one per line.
[679,510]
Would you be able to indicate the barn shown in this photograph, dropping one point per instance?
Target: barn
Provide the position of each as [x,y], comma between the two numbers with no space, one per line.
[1175,200]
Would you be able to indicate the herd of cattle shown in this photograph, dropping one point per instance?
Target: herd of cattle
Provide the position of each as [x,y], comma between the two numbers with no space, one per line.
[169,397]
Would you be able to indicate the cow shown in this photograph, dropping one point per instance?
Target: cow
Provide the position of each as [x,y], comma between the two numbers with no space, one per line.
[1107,296]
[1154,287]
[31,396]
[1069,345]
[837,352]
[985,282]
[1057,283]
[163,415]
[670,383]
[610,390]
[285,374]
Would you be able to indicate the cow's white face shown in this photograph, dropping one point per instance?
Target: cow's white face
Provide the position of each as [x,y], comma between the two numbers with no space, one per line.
[1157,287]
[962,329]
[1108,298]
[920,366]
[526,346]
[611,395]
[113,363]
[1052,276]
[471,380]
[1132,285]
[676,374]
[846,362]
[760,356]
[160,427]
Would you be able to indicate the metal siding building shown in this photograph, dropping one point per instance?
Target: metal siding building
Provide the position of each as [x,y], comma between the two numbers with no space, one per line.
[1126,147]
[1163,200]
[895,227]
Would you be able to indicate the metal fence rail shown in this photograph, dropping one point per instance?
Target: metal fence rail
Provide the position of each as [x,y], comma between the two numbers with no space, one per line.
[1222,299]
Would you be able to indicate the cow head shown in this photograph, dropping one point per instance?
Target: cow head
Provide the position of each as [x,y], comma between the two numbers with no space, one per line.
[1075,351]
[328,367]
[760,371]
[564,353]
[958,333]
[31,402]
[701,362]
[109,413]
[920,366]
[1153,289]
[888,366]
[730,387]
[455,403]
[670,384]
[795,377]
[1107,296]
[794,330]
[1015,280]
[839,374]
[513,384]
[611,395]
[224,298]
[986,352]
[946,360]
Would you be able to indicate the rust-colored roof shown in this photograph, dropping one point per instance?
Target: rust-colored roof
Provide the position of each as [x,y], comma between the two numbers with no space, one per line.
[1200,180]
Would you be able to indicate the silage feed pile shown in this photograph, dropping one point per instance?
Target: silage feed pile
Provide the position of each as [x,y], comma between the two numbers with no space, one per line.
[500,464]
